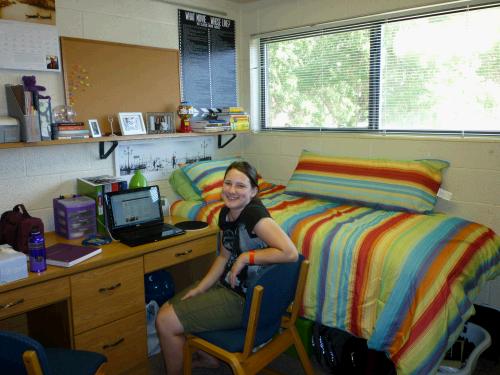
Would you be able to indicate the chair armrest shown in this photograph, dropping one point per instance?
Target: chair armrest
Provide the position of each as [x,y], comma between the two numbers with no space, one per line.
[31,363]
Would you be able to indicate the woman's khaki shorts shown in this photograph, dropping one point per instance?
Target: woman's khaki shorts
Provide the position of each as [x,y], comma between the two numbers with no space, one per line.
[217,308]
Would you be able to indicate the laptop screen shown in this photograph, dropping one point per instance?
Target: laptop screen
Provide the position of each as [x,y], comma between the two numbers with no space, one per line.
[134,207]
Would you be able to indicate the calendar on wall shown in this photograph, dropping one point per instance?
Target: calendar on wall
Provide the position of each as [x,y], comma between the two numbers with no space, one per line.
[28,46]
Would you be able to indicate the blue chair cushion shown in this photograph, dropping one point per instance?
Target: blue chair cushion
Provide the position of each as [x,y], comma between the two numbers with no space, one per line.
[53,361]
[233,340]
[13,346]
[74,362]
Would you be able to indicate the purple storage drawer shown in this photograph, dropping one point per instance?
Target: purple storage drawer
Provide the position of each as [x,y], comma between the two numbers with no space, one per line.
[75,217]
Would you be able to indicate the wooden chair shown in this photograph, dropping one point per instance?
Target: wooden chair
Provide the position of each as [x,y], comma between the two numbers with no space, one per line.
[268,326]
[21,354]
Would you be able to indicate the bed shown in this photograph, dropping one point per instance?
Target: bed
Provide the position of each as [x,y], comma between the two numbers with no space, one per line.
[383,265]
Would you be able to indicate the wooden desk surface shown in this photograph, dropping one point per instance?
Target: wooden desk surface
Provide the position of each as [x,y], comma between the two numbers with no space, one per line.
[111,253]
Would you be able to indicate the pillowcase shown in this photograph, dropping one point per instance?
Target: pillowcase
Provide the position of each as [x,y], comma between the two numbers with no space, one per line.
[182,186]
[207,178]
[387,184]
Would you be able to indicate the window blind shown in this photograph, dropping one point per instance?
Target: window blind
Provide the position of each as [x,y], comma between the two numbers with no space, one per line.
[436,72]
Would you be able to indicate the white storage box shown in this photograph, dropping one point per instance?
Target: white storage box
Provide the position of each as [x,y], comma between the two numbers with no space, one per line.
[13,265]
[481,339]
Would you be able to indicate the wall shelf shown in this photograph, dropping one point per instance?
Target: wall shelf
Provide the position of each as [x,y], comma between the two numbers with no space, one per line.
[122,138]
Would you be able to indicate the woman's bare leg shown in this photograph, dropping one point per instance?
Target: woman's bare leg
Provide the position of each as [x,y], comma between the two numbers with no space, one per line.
[171,334]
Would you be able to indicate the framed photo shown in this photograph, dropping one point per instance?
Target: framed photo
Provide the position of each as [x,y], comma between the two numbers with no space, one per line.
[131,123]
[45,117]
[95,130]
[160,122]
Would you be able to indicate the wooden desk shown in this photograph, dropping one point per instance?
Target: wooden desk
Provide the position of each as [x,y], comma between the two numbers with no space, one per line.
[99,304]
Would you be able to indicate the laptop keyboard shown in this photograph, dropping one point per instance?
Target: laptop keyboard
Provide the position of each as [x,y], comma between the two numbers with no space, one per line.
[147,235]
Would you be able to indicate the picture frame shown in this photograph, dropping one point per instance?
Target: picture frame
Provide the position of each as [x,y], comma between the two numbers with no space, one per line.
[95,130]
[131,123]
[45,118]
[160,122]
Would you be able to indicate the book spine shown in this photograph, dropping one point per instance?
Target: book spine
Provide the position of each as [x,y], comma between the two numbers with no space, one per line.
[232,109]
[95,192]
[72,132]
[69,127]
[69,123]
[71,136]
[107,188]
[101,217]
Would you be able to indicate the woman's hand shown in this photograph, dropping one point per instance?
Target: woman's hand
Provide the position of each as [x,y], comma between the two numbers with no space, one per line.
[193,292]
[240,263]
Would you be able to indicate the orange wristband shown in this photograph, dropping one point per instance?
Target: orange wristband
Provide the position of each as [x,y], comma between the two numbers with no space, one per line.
[251,257]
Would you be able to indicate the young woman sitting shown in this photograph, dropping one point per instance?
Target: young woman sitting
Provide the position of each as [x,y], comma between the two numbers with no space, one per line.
[251,239]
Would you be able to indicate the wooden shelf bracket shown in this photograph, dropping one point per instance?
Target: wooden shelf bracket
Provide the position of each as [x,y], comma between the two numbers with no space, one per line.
[222,145]
[104,155]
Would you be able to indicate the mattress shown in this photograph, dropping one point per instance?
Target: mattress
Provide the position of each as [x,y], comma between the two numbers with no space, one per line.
[403,281]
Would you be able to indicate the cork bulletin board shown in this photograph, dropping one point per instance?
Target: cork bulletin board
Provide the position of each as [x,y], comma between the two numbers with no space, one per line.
[104,78]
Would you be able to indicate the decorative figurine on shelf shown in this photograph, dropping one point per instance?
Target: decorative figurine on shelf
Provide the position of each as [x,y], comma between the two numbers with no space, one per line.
[138,180]
[185,112]
[29,83]
[110,120]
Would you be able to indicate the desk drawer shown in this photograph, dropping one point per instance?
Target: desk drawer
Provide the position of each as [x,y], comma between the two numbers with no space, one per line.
[123,342]
[31,297]
[180,253]
[106,294]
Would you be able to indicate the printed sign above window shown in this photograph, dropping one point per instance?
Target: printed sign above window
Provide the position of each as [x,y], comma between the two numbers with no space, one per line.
[207,60]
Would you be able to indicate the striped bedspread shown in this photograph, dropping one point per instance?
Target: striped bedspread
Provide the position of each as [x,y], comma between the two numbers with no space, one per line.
[403,281]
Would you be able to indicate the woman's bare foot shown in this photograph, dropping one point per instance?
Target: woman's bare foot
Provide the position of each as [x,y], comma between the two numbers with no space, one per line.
[205,360]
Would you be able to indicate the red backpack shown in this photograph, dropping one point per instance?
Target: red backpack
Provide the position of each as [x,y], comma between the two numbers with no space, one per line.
[16,226]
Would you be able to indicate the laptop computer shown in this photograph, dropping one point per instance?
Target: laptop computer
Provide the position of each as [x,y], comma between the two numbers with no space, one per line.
[135,217]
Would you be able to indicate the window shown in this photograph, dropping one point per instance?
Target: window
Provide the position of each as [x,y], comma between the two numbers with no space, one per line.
[433,73]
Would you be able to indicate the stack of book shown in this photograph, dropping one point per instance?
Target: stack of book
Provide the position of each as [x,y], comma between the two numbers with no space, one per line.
[95,188]
[235,117]
[209,126]
[69,130]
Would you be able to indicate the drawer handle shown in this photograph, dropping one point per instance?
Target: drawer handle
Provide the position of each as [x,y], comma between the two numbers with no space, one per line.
[107,346]
[12,304]
[183,253]
[109,288]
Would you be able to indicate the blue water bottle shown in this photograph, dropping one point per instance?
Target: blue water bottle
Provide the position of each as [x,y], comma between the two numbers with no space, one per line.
[36,251]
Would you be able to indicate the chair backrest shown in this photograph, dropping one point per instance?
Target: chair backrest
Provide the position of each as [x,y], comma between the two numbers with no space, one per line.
[11,356]
[279,282]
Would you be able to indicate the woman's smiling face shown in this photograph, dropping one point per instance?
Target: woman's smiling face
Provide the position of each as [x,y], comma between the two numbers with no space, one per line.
[237,191]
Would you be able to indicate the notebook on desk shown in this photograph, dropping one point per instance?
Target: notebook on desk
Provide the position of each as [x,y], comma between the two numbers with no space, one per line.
[134,216]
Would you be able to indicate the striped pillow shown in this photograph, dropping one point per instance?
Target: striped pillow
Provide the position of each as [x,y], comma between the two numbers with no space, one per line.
[207,178]
[388,184]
